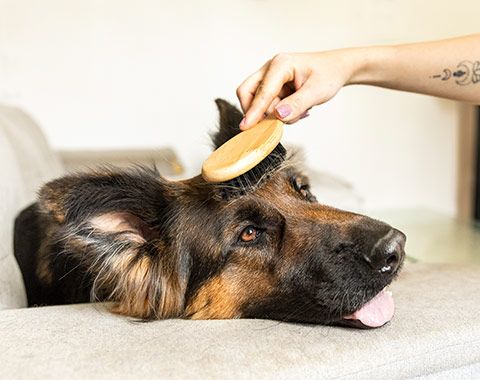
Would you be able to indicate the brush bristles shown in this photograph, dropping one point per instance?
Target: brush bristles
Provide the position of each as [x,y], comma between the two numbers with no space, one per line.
[255,176]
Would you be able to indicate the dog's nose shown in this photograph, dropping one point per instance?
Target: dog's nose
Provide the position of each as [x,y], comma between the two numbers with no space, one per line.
[388,252]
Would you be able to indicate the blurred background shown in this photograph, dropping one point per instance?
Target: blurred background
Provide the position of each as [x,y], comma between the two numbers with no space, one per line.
[114,75]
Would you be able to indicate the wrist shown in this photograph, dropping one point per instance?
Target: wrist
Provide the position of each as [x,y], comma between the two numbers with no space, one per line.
[370,64]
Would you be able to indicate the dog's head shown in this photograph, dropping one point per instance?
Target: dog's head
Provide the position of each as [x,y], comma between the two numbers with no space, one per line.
[161,249]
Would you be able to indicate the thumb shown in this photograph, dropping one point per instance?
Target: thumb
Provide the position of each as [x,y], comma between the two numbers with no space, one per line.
[294,106]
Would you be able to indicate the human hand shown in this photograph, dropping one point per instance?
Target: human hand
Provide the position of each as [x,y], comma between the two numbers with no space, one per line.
[289,85]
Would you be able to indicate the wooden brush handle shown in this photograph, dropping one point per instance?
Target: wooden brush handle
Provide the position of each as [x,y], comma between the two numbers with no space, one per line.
[243,152]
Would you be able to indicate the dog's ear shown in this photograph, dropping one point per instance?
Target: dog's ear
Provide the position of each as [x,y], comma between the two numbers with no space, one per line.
[114,225]
[230,118]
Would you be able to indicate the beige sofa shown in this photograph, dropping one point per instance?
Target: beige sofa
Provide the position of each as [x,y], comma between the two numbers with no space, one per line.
[435,332]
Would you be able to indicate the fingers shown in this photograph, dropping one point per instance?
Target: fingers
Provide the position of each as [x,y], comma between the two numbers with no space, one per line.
[293,107]
[272,106]
[247,90]
[284,92]
[302,116]
[269,88]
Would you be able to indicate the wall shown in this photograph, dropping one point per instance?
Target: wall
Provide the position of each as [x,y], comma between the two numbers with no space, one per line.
[113,74]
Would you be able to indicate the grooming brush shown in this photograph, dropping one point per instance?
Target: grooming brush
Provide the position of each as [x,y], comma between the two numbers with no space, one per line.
[243,161]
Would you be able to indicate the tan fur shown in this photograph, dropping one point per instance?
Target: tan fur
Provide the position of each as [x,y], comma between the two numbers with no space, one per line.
[52,201]
[139,290]
[43,271]
[222,297]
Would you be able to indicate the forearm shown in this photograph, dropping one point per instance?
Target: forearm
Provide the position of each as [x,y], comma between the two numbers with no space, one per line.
[447,68]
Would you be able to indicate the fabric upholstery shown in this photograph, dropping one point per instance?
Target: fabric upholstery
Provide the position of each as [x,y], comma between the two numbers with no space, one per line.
[435,329]
[36,160]
[26,161]
[12,196]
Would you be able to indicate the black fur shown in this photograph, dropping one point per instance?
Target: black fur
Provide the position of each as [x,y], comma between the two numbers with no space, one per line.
[230,118]
[27,239]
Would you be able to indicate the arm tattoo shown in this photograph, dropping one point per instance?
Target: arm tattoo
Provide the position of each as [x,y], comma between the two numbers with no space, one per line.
[467,72]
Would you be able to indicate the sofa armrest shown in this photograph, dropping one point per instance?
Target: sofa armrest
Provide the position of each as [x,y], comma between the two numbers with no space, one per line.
[165,159]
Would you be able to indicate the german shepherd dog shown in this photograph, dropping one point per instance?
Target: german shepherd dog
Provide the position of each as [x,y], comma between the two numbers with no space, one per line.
[162,249]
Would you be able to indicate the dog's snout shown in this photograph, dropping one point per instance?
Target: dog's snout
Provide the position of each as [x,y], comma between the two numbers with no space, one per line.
[387,253]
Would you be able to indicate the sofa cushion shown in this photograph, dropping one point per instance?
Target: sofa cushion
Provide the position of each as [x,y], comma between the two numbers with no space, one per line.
[13,196]
[26,161]
[436,328]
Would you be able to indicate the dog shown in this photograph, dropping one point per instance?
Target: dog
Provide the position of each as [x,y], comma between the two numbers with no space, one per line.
[160,249]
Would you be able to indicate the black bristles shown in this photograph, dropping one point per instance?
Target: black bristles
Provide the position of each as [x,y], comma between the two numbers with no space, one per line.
[254,177]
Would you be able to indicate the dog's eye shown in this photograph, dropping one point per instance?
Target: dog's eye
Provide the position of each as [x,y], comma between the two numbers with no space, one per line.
[249,234]
[303,189]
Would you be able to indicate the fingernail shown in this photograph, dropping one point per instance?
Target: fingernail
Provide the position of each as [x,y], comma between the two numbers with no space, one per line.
[283,111]
[304,115]
[242,123]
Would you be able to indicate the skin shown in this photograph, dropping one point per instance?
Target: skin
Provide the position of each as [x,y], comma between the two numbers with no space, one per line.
[289,84]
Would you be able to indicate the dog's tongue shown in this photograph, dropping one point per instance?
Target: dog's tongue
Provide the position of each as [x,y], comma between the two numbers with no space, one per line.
[377,311]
